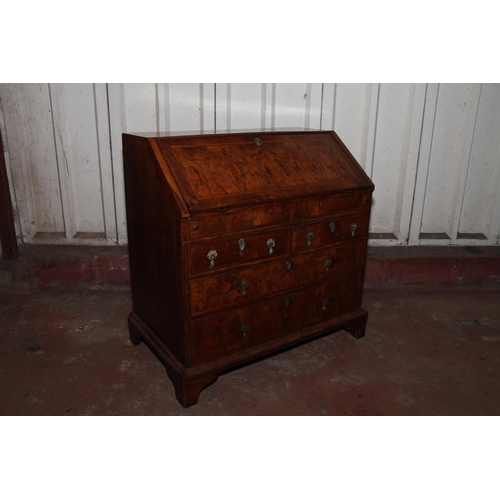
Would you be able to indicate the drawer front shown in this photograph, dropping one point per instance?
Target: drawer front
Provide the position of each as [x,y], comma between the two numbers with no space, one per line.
[224,333]
[212,292]
[330,231]
[229,251]
[326,301]
[325,206]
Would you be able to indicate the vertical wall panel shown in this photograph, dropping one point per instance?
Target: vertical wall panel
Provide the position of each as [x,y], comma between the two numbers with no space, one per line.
[483,177]
[390,156]
[240,106]
[75,126]
[28,135]
[186,110]
[446,166]
[328,106]
[352,111]
[297,105]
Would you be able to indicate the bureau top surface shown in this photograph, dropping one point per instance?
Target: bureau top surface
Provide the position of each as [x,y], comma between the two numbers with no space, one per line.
[239,169]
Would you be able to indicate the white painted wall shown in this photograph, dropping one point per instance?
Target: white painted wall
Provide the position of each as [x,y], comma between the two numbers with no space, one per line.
[432,150]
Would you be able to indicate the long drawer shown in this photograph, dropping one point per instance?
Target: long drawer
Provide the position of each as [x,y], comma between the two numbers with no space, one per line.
[230,331]
[213,292]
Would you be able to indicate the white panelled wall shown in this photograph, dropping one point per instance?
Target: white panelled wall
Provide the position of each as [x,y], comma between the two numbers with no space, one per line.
[432,150]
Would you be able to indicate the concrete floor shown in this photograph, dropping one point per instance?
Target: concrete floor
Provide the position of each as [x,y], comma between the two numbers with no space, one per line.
[425,353]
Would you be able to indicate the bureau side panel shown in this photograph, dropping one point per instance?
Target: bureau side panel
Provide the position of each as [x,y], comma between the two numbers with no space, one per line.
[154,235]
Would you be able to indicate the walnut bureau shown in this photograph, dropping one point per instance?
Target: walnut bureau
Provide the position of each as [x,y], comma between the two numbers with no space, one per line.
[241,245]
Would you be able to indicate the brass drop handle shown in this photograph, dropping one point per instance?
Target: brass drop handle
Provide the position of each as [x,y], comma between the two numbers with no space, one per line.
[328,264]
[288,265]
[244,286]
[332,227]
[211,256]
[243,330]
[324,303]
[354,226]
[287,301]
[270,244]
[242,244]
[309,237]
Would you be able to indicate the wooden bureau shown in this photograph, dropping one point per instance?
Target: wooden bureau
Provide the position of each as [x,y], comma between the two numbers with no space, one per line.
[241,245]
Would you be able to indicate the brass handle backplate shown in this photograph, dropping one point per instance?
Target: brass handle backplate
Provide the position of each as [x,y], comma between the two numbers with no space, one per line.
[211,256]
[244,286]
[324,303]
[270,244]
[309,237]
[243,330]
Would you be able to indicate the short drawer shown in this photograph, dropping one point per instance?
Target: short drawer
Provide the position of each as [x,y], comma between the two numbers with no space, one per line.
[330,231]
[216,291]
[325,301]
[229,251]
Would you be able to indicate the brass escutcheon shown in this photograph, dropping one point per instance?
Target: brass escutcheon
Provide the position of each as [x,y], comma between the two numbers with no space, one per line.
[241,244]
[354,226]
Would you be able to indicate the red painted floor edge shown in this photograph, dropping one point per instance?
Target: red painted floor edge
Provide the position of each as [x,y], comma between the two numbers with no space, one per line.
[72,267]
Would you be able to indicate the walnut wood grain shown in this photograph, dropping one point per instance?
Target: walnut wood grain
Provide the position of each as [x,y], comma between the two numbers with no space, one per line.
[321,234]
[229,254]
[220,290]
[188,195]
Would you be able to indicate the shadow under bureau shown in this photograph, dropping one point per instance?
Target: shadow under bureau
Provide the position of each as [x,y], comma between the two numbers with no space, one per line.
[241,245]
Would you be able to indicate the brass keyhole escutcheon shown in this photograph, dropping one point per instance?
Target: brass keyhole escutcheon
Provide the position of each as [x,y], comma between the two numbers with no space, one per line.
[242,244]
[328,264]
[332,227]
[270,244]
[244,286]
[354,226]
[244,330]
[324,303]
[288,265]
[309,237]
[211,256]
[258,142]
[287,301]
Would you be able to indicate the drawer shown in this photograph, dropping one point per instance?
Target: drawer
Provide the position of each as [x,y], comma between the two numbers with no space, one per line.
[227,332]
[326,301]
[326,205]
[216,291]
[224,333]
[330,231]
[228,251]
